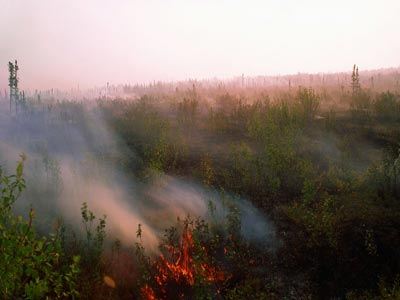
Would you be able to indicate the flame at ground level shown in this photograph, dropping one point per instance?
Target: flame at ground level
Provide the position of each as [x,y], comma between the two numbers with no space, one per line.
[181,269]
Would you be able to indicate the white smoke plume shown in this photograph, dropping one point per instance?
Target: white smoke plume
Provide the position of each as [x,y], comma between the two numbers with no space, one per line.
[74,158]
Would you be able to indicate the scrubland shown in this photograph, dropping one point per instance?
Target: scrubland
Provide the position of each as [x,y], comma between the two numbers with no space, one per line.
[205,191]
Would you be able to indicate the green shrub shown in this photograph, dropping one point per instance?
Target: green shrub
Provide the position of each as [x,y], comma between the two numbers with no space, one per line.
[308,102]
[387,107]
[31,266]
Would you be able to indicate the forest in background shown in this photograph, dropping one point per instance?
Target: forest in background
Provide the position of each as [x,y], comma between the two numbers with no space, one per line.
[278,191]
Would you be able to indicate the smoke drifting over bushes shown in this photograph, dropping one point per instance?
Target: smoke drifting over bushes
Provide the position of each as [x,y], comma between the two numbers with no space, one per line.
[73,157]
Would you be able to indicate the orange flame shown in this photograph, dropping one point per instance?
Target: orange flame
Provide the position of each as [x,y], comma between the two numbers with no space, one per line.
[181,268]
[148,293]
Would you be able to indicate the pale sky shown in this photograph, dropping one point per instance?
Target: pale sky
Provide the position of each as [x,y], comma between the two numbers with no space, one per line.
[89,42]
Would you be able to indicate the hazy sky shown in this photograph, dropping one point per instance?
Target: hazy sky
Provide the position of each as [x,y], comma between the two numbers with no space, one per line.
[89,42]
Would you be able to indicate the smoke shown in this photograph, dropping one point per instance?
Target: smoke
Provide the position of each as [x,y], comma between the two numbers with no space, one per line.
[73,157]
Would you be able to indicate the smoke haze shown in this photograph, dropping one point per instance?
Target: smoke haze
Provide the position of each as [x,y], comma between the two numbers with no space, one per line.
[73,157]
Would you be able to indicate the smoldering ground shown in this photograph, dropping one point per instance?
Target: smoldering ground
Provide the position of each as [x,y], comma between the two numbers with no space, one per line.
[73,157]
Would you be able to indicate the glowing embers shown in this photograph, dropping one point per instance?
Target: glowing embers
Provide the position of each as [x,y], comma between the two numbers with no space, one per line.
[148,293]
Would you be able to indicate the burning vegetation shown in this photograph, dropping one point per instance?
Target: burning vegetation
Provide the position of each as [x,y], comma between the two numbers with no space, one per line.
[292,192]
[198,260]
[181,268]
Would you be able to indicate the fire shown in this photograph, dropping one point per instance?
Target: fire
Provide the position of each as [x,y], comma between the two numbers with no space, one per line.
[148,293]
[180,269]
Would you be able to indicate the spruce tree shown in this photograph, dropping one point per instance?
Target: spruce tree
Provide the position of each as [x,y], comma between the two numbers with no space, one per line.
[355,81]
[13,83]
